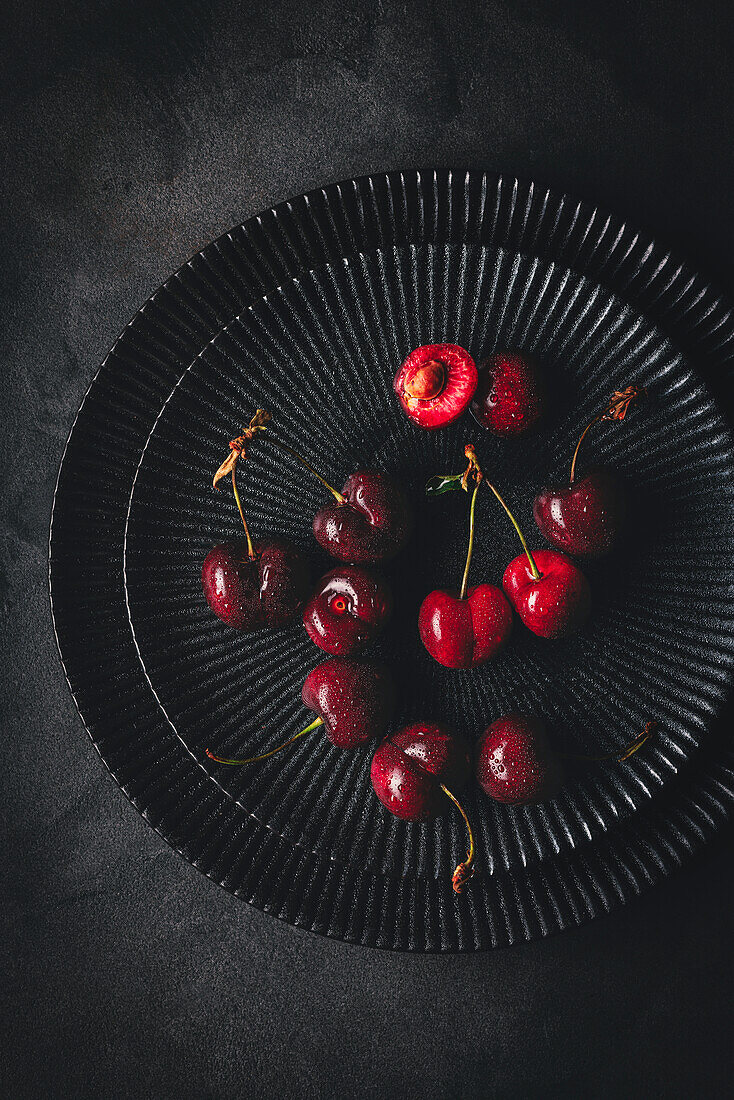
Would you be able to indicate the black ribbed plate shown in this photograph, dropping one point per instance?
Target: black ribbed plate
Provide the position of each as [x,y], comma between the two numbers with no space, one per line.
[307,311]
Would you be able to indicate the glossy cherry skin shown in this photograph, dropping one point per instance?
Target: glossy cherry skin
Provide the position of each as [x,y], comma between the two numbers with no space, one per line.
[347,610]
[515,762]
[354,698]
[435,384]
[409,767]
[465,633]
[583,519]
[372,525]
[247,595]
[558,603]
[509,397]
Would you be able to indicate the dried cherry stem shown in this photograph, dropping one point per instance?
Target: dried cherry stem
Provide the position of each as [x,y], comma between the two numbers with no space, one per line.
[465,870]
[474,466]
[229,466]
[259,423]
[263,756]
[616,409]
[631,749]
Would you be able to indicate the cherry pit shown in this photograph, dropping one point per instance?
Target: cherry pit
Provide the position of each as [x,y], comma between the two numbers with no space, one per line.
[261,583]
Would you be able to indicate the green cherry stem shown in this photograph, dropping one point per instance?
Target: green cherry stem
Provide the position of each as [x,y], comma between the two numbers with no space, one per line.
[470,550]
[474,471]
[237,447]
[465,870]
[263,756]
[531,560]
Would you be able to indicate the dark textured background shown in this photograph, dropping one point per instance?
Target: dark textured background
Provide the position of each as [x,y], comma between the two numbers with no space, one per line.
[136,131]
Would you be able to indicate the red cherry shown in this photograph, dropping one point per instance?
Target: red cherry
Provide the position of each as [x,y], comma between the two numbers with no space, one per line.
[414,769]
[353,697]
[515,761]
[409,767]
[554,603]
[348,610]
[435,384]
[517,765]
[246,584]
[585,518]
[508,398]
[353,700]
[464,633]
[248,593]
[369,521]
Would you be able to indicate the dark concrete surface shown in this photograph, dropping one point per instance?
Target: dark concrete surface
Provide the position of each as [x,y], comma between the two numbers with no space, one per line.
[134,131]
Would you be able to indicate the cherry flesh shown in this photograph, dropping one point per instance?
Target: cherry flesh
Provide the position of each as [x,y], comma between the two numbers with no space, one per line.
[409,767]
[435,384]
[249,593]
[348,610]
[464,633]
[371,522]
[516,763]
[509,397]
[353,698]
[583,519]
[554,604]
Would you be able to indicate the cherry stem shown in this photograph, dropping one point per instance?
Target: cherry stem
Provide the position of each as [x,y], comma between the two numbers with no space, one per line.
[465,870]
[474,470]
[617,408]
[263,756]
[578,445]
[250,548]
[284,447]
[631,749]
[470,551]
[531,560]
[237,451]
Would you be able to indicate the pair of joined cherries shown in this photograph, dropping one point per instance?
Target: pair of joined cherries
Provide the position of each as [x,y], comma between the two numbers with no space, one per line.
[547,589]
[251,584]
[466,628]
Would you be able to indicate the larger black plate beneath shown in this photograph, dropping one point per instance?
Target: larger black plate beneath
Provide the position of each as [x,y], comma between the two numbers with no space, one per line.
[329,293]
